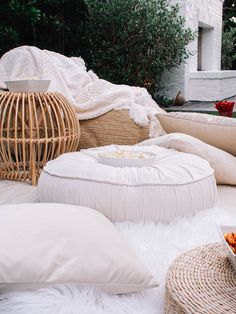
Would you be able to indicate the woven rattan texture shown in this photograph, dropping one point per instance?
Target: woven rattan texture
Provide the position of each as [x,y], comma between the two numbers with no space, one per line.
[201,281]
[114,127]
[34,128]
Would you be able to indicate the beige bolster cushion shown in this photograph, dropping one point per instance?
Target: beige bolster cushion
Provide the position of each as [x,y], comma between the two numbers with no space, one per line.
[217,131]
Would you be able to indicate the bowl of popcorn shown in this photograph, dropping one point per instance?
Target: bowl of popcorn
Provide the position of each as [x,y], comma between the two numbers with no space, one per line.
[228,237]
[29,85]
[127,158]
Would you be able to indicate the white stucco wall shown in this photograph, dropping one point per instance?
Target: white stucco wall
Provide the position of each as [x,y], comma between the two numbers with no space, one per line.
[210,85]
[175,80]
[206,14]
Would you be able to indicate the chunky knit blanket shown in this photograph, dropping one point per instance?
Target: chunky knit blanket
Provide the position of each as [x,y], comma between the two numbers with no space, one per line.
[90,95]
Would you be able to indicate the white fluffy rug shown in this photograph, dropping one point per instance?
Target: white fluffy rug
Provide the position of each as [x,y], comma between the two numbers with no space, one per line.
[17,192]
[157,245]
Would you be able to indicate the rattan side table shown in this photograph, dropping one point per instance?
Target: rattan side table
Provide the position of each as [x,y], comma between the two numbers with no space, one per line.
[201,281]
[34,128]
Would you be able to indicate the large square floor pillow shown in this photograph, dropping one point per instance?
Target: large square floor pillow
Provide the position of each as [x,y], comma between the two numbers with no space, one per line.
[174,184]
[114,127]
[43,244]
[217,131]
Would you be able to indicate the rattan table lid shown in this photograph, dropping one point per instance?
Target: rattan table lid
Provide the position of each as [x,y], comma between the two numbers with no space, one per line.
[201,281]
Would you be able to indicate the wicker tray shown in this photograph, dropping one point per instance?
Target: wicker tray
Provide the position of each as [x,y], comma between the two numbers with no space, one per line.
[201,281]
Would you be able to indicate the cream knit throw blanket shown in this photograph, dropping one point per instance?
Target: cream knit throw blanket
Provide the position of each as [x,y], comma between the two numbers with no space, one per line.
[90,95]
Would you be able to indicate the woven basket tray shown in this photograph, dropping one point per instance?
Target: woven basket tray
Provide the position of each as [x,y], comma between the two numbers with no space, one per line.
[201,281]
[114,127]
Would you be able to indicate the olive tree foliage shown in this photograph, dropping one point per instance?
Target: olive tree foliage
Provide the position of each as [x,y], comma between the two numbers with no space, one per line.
[135,41]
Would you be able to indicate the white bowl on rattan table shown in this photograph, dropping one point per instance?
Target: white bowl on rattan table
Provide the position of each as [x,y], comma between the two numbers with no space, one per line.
[28,86]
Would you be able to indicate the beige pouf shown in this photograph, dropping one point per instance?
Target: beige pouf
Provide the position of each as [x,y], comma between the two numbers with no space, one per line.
[201,281]
[174,184]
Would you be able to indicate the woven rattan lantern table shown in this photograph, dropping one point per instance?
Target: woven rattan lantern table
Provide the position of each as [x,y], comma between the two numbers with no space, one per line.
[201,281]
[34,128]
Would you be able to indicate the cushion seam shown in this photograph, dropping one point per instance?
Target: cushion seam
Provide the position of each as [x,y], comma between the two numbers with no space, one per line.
[132,185]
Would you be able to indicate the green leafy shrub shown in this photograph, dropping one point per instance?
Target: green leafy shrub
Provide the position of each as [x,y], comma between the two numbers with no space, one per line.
[16,18]
[228,56]
[50,24]
[163,101]
[229,35]
[124,41]
[135,41]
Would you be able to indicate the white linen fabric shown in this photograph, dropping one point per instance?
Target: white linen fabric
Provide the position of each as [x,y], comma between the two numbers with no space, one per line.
[175,184]
[222,162]
[55,243]
[90,95]
[217,131]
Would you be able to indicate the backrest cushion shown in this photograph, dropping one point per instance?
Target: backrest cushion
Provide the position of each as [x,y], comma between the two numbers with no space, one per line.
[217,131]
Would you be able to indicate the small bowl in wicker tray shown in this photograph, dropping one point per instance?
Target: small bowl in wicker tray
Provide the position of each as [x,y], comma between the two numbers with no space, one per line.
[229,251]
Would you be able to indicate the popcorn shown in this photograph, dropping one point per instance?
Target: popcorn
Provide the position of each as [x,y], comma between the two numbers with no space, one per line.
[126,155]
[32,78]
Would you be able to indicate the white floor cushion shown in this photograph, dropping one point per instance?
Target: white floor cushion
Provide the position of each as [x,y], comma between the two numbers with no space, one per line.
[56,243]
[175,184]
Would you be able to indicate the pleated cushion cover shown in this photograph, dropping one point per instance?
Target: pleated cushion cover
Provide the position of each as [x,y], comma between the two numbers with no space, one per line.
[175,184]
[55,243]
[217,131]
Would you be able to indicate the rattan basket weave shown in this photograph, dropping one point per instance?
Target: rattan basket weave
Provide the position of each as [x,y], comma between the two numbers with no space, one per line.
[201,281]
[34,128]
[114,127]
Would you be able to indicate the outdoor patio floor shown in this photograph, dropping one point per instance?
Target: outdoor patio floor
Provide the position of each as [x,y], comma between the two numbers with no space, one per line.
[198,106]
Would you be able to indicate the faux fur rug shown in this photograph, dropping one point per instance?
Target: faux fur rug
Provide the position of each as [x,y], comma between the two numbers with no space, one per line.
[156,244]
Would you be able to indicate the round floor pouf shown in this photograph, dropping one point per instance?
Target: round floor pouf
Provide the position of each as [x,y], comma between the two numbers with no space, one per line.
[201,281]
[174,184]
[34,128]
